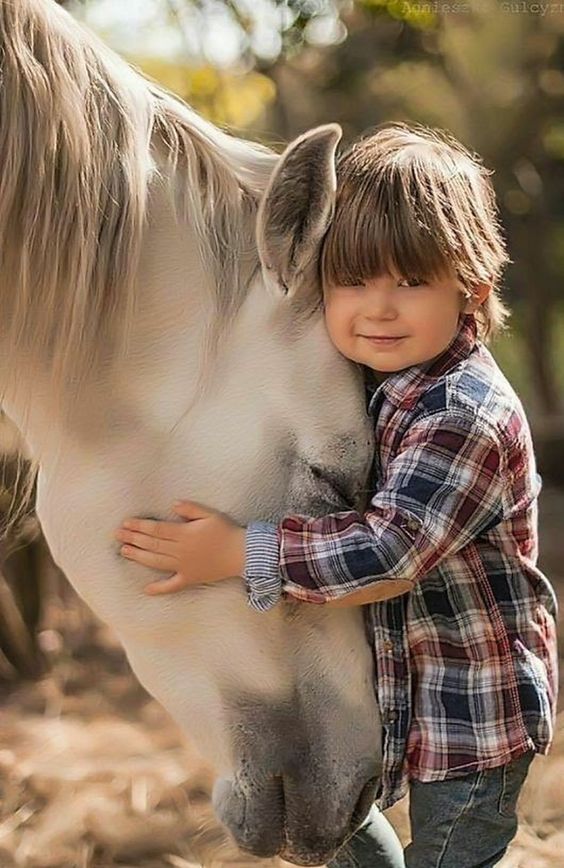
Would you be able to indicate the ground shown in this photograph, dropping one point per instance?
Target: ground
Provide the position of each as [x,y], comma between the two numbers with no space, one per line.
[94,774]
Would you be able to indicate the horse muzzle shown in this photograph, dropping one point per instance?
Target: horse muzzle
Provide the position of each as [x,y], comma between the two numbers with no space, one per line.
[304,820]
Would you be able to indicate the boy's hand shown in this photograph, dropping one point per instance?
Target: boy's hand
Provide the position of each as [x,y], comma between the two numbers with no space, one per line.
[207,547]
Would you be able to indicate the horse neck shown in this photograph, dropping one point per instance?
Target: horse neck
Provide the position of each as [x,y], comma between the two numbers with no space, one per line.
[264,361]
[168,366]
[157,372]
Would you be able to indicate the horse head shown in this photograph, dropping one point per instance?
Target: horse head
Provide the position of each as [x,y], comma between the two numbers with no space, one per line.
[162,336]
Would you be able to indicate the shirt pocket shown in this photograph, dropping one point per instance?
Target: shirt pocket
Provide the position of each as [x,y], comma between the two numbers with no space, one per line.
[536,693]
[536,687]
[529,666]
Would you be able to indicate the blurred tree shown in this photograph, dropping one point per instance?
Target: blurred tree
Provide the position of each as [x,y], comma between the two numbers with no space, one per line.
[230,96]
[492,77]
[490,73]
[23,555]
[260,37]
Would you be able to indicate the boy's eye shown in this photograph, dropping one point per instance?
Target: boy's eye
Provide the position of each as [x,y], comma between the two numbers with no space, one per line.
[353,281]
[411,281]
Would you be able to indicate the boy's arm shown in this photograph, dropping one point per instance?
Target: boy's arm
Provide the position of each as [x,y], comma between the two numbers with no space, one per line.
[264,583]
[444,488]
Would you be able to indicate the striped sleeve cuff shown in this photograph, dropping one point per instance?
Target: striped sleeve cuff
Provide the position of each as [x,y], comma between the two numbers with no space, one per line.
[262,575]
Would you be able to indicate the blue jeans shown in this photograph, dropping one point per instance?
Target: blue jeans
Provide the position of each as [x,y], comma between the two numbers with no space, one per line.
[465,822]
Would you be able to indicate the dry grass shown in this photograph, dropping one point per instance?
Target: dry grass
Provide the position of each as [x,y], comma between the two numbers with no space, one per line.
[93,773]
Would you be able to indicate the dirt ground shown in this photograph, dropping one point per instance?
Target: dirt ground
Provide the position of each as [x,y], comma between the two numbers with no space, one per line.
[93,773]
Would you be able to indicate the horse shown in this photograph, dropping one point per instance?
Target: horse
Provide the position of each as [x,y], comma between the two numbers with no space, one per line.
[161,336]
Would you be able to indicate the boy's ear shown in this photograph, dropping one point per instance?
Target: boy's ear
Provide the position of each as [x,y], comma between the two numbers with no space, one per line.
[480,292]
[296,210]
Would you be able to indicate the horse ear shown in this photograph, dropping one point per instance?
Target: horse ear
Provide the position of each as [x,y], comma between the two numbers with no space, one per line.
[296,210]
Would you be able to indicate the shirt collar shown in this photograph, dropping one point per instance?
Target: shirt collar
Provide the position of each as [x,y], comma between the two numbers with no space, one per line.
[403,388]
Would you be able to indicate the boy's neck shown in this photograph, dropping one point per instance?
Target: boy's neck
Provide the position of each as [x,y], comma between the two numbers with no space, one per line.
[374,378]
[379,376]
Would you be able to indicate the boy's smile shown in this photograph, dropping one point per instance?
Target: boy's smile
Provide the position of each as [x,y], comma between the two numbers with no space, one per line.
[384,341]
[389,322]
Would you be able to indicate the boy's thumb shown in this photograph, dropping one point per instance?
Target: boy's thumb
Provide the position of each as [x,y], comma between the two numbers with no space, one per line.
[189,509]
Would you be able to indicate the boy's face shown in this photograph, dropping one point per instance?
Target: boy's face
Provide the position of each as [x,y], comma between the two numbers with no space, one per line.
[422,318]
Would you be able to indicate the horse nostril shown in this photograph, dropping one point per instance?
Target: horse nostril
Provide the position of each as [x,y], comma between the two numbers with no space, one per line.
[364,802]
[335,482]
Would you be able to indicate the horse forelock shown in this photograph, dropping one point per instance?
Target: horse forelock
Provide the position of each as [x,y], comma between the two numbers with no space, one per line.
[82,135]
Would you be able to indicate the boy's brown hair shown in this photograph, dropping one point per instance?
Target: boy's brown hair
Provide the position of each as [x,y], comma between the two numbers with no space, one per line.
[414,202]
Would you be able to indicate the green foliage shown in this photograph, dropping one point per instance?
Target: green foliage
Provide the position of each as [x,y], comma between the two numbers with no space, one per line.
[553,139]
[512,354]
[419,15]
[223,97]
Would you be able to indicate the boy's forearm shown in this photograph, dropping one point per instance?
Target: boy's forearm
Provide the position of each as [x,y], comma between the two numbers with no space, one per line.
[382,590]
[262,571]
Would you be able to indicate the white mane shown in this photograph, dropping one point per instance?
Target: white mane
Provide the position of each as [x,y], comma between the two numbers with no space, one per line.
[82,136]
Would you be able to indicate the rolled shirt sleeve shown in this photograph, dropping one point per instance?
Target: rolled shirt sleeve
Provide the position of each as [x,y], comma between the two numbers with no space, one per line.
[262,574]
[443,488]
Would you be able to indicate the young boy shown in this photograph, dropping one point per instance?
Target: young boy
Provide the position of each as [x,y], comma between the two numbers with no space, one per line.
[462,620]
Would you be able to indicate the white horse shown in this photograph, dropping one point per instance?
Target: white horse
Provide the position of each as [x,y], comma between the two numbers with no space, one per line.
[147,353]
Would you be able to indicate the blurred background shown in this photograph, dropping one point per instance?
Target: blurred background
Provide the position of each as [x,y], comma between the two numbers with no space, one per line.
[92,771]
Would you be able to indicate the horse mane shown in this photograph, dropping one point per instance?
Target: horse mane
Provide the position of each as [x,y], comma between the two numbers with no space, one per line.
[82,136]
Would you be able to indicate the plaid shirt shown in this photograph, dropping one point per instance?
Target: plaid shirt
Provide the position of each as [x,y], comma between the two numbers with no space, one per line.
[465,662]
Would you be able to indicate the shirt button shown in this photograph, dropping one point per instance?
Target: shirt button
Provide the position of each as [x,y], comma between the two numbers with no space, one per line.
[412,524]
[390,717]
[388,646]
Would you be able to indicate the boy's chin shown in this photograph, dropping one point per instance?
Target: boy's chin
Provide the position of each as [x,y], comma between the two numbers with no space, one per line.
[387,367]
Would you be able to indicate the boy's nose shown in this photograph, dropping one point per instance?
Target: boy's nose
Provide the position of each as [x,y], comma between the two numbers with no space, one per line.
[379,298]
[381,307]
